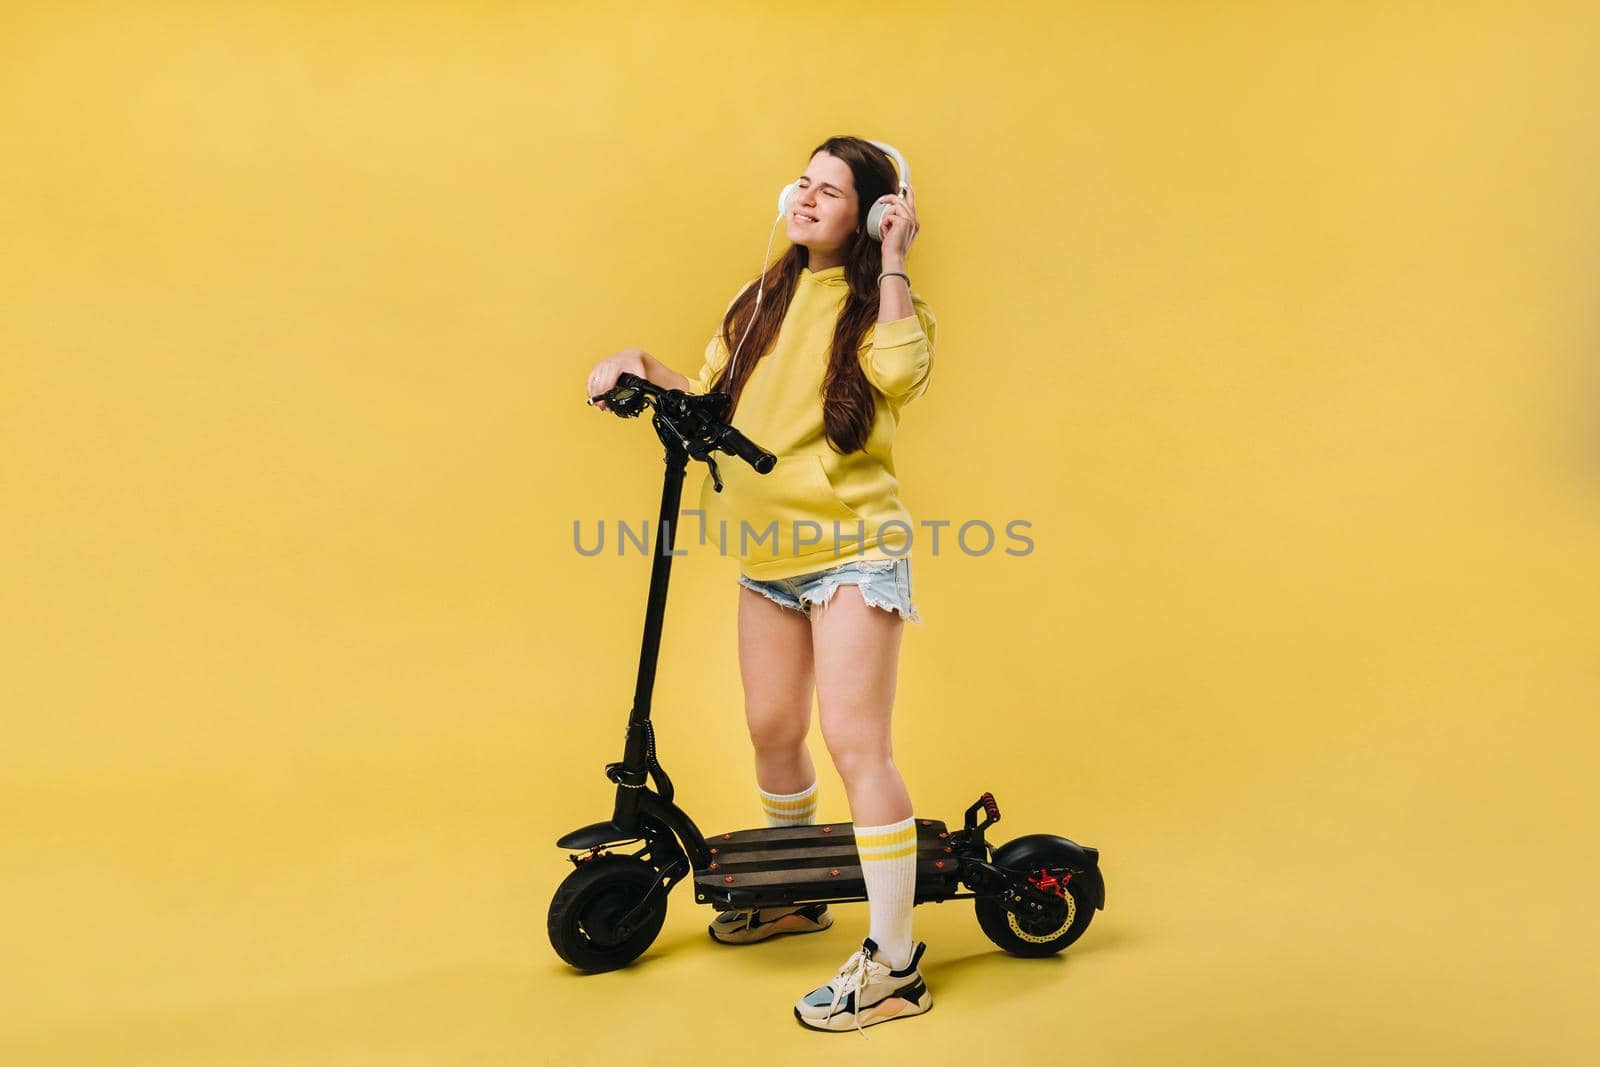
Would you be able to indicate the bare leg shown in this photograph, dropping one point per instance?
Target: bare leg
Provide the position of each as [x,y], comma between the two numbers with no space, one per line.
[857,656]
[775,664]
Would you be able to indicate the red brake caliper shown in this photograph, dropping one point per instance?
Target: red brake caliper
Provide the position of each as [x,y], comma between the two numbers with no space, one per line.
[1046,882]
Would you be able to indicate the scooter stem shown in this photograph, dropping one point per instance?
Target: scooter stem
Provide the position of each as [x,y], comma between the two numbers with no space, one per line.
[639,758]
[689,426]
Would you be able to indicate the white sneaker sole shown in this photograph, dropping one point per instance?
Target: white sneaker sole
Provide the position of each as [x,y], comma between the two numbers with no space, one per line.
[886,1010]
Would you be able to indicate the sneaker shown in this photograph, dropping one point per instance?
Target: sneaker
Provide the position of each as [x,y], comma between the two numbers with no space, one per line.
[865,992]
[757,924]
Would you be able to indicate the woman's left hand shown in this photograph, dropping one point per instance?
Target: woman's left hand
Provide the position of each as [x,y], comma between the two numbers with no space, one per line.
[899,224]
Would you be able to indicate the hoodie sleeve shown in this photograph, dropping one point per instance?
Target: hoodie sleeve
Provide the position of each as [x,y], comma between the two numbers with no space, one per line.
[899,358]
[716,355]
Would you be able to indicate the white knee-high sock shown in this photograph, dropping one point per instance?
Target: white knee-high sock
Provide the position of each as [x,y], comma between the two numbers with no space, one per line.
[790,809]
[889,867]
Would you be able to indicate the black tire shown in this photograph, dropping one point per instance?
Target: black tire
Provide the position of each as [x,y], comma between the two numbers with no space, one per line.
[590,900]
[1020,936]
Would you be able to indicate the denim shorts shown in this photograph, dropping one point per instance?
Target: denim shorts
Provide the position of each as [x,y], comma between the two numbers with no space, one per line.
[883,583]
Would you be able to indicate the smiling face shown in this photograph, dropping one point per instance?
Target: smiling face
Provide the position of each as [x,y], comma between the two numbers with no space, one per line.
[824,213]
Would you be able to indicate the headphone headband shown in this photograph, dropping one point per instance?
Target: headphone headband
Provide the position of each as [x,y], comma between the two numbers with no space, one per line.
[899,160]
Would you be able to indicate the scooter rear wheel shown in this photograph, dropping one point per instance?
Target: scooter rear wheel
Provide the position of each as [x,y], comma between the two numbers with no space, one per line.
[587,905]
[1025,936]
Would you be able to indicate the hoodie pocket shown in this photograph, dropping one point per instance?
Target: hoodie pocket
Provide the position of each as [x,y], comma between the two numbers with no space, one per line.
[795,494]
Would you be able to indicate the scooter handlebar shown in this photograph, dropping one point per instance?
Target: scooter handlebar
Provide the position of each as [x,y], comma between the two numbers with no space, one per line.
[696,419]
[736,443]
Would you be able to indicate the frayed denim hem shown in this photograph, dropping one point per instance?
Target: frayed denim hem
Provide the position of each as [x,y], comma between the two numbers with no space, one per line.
[772,596]
[884,584]
[869,596]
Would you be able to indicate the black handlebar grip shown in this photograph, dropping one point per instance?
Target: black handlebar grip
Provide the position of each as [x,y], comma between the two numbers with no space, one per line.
[737,443]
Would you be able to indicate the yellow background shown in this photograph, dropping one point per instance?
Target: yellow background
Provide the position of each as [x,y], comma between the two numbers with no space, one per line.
[1276,321]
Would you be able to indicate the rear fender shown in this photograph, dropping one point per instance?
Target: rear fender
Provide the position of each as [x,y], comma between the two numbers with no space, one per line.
[1048,850]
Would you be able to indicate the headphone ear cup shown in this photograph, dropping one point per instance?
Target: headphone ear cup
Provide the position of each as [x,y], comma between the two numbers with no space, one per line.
[875,217]
[783,198]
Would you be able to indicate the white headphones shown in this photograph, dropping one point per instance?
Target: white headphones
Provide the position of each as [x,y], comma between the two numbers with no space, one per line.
[879,206]
[874,229]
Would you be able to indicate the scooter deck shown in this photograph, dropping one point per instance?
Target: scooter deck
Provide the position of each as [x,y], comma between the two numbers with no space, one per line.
[797,864]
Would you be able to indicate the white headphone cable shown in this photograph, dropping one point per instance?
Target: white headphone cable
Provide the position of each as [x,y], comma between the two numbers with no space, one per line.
[761,288]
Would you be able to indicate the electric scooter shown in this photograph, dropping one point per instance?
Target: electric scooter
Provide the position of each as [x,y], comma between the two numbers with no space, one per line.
[1034,895]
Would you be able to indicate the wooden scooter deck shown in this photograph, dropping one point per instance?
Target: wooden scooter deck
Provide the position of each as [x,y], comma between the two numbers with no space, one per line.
[798,864]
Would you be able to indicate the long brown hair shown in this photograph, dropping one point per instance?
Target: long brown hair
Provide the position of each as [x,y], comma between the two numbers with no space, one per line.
[848,404]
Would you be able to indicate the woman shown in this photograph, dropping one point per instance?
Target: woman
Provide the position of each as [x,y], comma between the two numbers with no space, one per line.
[827,357]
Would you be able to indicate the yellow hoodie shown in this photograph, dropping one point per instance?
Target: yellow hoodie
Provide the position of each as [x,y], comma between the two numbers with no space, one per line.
[782,523]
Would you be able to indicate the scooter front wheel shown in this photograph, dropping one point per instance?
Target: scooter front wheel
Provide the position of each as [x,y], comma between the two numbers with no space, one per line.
[588,904]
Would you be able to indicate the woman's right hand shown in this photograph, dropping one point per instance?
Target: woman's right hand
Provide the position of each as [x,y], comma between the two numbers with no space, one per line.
[605,373]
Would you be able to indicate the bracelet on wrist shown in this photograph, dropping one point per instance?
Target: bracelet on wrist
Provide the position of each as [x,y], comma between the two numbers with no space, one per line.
[894,274]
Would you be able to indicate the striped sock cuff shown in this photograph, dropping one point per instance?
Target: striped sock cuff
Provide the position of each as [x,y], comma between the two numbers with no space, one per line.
[790,809]
[891,841]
